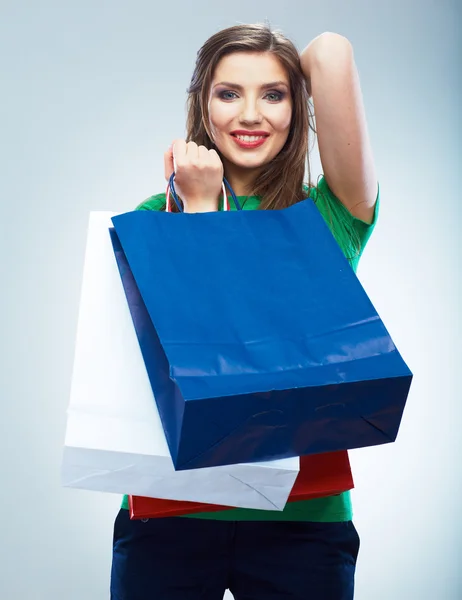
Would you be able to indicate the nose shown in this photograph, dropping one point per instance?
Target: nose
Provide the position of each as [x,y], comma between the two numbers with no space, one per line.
[250,112]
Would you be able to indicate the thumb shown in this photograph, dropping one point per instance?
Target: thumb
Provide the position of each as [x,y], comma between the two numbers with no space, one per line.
[168,162]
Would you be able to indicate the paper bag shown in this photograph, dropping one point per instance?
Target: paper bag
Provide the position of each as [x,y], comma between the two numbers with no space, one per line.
[114,438]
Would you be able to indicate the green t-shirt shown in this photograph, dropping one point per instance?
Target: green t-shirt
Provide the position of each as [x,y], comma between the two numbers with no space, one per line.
[351,235]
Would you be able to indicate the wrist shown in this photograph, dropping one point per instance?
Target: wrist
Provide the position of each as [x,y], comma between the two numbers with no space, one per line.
[202,205]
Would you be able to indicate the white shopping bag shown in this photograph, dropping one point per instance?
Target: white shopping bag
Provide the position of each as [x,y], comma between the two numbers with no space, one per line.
[114,438]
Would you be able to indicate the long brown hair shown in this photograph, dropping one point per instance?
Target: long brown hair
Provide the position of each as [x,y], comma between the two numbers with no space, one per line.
[280,184]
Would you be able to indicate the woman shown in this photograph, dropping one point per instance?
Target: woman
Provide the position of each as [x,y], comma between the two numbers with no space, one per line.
[249,120]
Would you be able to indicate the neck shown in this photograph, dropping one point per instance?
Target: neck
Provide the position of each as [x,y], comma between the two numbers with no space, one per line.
[240,179]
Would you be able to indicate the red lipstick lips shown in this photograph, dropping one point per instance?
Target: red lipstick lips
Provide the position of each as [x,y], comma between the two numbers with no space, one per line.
[249,139]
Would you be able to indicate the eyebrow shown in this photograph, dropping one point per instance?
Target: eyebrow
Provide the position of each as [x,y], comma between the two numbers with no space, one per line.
[265,86]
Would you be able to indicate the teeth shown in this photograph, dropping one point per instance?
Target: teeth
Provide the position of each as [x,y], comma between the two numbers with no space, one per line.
[250,138]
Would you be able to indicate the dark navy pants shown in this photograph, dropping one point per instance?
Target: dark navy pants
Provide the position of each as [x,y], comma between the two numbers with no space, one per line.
[192,559]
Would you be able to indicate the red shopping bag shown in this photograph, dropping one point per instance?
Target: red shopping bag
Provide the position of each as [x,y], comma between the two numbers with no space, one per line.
[320,475]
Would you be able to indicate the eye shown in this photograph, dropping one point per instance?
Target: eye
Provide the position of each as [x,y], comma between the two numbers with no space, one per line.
[227,95]
[275,96]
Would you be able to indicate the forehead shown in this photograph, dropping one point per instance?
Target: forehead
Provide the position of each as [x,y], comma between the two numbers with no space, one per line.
[250,68]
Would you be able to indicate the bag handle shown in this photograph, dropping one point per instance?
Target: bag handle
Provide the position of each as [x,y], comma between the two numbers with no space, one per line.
[225,184]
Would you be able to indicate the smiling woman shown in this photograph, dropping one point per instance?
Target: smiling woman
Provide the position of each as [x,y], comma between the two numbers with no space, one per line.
[250,57]
[250,112]
[249,120]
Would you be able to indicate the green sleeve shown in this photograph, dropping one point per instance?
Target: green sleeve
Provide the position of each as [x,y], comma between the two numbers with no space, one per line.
[351,233]
[156,202]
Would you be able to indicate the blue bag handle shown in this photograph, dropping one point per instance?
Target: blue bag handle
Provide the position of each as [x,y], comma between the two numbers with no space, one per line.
[178,203]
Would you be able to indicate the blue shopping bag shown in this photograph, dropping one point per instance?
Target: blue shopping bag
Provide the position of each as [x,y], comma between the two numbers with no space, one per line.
[255,348]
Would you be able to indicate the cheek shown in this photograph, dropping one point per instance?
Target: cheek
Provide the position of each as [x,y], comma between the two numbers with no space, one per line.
[220,115]
[282,119]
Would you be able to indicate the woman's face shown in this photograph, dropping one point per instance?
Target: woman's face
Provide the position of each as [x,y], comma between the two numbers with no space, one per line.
[250,110]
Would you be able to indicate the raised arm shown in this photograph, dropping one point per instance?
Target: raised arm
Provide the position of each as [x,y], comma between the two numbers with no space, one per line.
[343,140]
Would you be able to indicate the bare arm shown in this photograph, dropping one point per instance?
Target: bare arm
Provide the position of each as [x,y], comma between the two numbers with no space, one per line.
[344,146]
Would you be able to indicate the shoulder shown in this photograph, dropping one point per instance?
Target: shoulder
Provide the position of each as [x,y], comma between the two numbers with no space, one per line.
[351,233]
[156,202]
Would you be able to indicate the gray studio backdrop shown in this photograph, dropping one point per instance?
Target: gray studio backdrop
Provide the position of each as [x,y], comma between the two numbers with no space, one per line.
[92,93]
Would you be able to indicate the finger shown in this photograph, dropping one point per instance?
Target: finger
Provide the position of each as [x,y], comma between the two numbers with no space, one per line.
[214,157]
[179,153]
[192,151]
[168,163]
[203,154]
